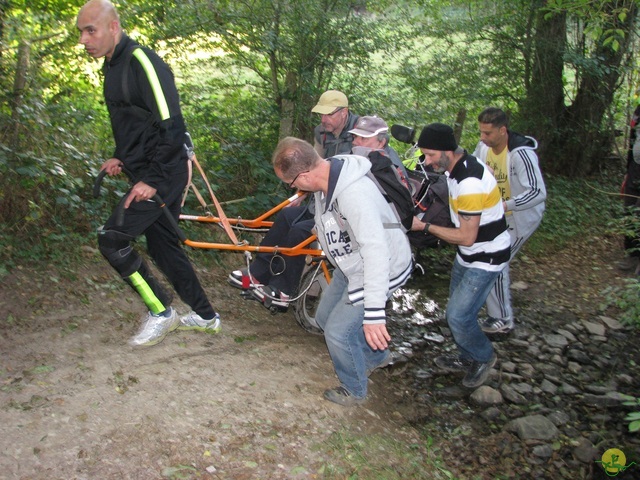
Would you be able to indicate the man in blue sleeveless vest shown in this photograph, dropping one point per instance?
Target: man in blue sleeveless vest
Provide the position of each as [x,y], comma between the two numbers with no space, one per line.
[149,134]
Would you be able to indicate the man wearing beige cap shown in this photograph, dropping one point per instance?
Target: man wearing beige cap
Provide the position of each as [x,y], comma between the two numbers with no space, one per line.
[332,136]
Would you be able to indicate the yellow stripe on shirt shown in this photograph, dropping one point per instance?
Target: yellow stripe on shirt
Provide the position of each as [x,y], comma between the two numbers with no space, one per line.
[475,203]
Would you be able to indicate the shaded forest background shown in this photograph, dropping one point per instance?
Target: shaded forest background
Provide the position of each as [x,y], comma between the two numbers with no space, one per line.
[249,73]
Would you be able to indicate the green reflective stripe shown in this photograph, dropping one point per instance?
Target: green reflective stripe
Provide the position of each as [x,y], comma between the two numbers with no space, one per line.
[152,302]
[152,76]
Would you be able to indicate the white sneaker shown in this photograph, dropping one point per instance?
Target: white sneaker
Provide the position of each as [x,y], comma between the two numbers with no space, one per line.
[193,321]
[155,328]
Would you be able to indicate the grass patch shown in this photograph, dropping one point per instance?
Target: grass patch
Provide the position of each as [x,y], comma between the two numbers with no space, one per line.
[380,457]
[625,298]
[60,251]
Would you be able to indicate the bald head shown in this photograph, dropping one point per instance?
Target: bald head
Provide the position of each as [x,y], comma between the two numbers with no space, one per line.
[100,29]
[100,8]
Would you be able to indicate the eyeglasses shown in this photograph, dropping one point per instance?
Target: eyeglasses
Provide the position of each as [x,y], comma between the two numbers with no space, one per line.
[296,178]
[333,113]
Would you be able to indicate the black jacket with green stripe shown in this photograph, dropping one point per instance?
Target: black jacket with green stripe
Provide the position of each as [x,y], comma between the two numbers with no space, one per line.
[144,106]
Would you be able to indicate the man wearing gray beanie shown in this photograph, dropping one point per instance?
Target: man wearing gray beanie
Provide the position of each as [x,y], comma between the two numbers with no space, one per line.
[483,248]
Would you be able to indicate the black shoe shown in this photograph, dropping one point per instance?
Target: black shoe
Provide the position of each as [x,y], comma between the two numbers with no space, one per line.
[628,263]
[452,363]
[271,297]
[478,372]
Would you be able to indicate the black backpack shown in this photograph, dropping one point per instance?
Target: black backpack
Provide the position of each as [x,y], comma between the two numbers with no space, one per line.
[431,197]
[393,186]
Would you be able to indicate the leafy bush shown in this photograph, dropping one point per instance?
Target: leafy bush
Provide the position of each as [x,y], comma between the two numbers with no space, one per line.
[634,417]
[573,207]
[234,132]
[46,178]
[629,225]
[627,299]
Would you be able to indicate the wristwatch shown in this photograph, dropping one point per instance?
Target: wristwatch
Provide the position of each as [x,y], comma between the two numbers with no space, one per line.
[426,227]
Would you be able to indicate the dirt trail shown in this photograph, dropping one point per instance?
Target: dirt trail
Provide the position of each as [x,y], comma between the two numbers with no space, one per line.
[78,403]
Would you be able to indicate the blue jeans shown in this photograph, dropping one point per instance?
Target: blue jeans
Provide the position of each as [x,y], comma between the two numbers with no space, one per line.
[468,291]
[342,324]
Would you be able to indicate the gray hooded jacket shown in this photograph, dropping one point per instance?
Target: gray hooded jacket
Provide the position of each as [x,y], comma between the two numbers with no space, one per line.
[351,230]
[528,192]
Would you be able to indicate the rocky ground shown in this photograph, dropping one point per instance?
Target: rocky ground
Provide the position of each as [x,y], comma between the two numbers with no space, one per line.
[77,403]
[552,406]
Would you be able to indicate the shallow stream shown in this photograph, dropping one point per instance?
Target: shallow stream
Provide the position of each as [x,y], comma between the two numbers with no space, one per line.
[416,318]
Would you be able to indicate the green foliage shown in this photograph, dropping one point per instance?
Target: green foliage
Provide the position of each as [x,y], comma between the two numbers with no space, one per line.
[599,16]
[46,178]
[625,298]
[379,457]
[634,417]
[42,208]
[296,51]
[573,207]
[234,133]
[460,67]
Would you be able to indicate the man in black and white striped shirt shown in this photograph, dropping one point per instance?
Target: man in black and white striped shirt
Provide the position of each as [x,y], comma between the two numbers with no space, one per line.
[480,233]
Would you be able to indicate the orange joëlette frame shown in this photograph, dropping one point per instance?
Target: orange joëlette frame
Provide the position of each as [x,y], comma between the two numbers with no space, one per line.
[259,222]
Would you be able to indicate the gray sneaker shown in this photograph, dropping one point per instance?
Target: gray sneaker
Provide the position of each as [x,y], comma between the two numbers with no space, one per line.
[342,396]
[155,328]
[478,372]
[193,321]
[496,325]
[392,358]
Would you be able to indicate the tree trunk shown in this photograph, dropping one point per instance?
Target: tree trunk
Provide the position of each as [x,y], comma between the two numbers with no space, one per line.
[288,107]
[573,140]
[19,84]
[4,4]
[459,125]
[592,140]
[543,108]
